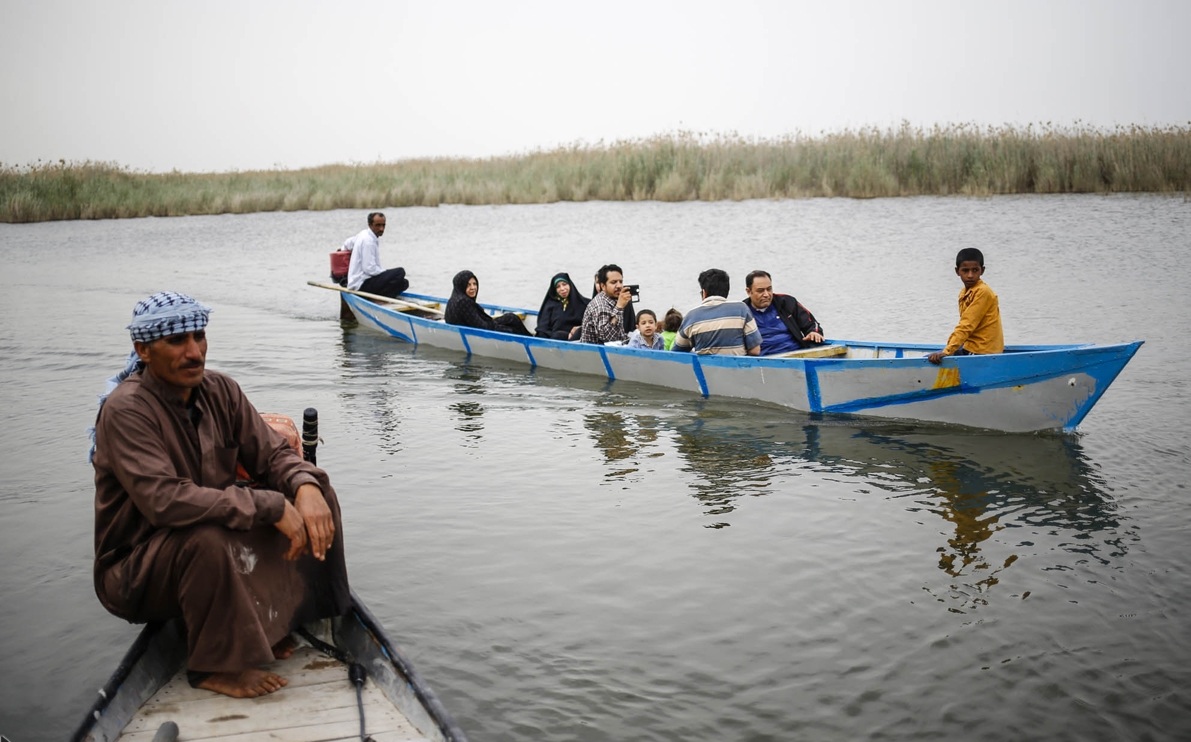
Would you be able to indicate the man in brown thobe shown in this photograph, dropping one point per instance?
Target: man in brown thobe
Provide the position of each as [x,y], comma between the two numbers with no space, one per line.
[176,535]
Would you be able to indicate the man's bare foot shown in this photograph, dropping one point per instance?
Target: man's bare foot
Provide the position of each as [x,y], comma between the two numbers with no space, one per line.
[244,684]
[284,649]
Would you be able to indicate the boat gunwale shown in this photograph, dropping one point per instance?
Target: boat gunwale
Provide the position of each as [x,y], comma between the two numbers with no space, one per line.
[1010,350]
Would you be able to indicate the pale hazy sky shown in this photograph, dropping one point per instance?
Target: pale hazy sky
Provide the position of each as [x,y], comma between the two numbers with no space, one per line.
[211,85]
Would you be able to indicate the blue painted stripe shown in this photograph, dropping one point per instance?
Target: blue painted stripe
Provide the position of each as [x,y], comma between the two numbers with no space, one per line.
[607,365]
[1104,372]
[814,396]
[529,354]
[868,403]
[699,377]
[381,324]
[466,345]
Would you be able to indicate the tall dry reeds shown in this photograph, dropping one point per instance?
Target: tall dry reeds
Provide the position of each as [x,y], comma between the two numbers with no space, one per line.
[864,163]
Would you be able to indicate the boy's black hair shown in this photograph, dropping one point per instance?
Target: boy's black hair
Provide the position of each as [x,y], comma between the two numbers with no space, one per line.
[650,312]
[673,320]
[969,253]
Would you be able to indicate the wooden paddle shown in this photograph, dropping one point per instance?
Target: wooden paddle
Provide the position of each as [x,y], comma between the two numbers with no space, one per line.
[407,303]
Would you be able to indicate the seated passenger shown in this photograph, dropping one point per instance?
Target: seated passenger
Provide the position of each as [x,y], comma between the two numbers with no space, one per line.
[717,326]
[561,314]
[604,318]
[364,272]
[629,313]
[785,324]
[462,308]
[670,325]
[646,334]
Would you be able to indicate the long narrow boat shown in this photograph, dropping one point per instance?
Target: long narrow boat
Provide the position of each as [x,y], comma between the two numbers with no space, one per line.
[346,681]
[1025,389]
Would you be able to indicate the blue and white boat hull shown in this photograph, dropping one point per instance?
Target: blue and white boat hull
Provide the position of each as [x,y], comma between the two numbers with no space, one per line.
[1025,389]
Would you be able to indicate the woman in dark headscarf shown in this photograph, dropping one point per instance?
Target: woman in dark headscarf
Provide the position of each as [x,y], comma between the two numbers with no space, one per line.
[561,314]
[462,308]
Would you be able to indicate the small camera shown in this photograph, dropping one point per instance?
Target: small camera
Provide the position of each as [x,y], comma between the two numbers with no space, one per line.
[633,289]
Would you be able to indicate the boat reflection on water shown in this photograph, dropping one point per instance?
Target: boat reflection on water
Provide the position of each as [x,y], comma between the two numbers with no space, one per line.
[469,410]
[378,379]
[981,484]
[368,377]
[624,438]
[978,484]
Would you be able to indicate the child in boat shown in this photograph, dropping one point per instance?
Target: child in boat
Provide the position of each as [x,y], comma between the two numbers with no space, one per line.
[979,328]
[646,334]
[670,325]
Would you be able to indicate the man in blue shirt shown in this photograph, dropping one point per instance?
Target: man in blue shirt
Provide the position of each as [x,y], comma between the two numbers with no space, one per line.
[718,326]
[785,324]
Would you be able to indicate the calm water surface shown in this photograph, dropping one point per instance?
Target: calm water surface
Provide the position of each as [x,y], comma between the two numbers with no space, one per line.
[566,559]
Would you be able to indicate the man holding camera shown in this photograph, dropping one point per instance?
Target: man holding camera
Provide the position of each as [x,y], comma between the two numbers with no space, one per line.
[603,320]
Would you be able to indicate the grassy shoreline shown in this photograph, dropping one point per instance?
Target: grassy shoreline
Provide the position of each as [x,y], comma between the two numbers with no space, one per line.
[865,163]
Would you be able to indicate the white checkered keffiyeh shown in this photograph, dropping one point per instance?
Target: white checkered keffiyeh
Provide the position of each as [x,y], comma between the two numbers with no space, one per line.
[166,313]
[161,315]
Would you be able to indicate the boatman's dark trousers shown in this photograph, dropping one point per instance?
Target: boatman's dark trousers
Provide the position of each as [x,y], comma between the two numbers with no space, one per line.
[390,283]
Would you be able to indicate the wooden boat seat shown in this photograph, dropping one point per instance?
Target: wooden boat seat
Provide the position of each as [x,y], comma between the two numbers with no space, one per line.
[819,351]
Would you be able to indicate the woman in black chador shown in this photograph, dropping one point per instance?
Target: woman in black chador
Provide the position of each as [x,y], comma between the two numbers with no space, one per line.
[561,314]
[462,308]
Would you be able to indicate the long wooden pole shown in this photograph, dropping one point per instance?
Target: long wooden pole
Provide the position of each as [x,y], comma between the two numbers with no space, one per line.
[378,298]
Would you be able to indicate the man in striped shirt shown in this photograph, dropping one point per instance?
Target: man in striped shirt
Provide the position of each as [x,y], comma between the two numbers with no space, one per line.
[718,326]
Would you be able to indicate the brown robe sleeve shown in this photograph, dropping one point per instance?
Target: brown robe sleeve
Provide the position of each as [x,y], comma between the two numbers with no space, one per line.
[148,453]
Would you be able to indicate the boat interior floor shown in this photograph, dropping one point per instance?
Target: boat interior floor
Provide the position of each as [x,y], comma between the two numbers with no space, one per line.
[318,704]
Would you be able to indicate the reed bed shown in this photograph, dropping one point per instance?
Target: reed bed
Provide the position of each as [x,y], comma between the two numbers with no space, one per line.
[864,163]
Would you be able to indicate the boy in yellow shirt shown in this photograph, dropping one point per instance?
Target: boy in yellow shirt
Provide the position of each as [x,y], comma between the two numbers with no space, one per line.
[979,328]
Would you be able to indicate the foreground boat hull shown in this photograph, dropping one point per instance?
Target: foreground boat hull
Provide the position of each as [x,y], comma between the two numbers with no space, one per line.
[129,706]
[1025,389]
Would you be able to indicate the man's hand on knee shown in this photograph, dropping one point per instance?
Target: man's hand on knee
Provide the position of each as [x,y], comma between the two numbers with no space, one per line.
[320,525]
[294,528]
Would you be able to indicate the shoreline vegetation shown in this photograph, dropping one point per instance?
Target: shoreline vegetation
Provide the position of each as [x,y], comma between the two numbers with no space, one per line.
[961,159]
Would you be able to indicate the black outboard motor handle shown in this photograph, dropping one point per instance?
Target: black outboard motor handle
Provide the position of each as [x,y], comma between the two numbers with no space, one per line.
[310,434]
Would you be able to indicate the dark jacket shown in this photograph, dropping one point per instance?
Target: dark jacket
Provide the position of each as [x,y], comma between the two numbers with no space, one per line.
[555,320]
[797,318]
[464,310]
